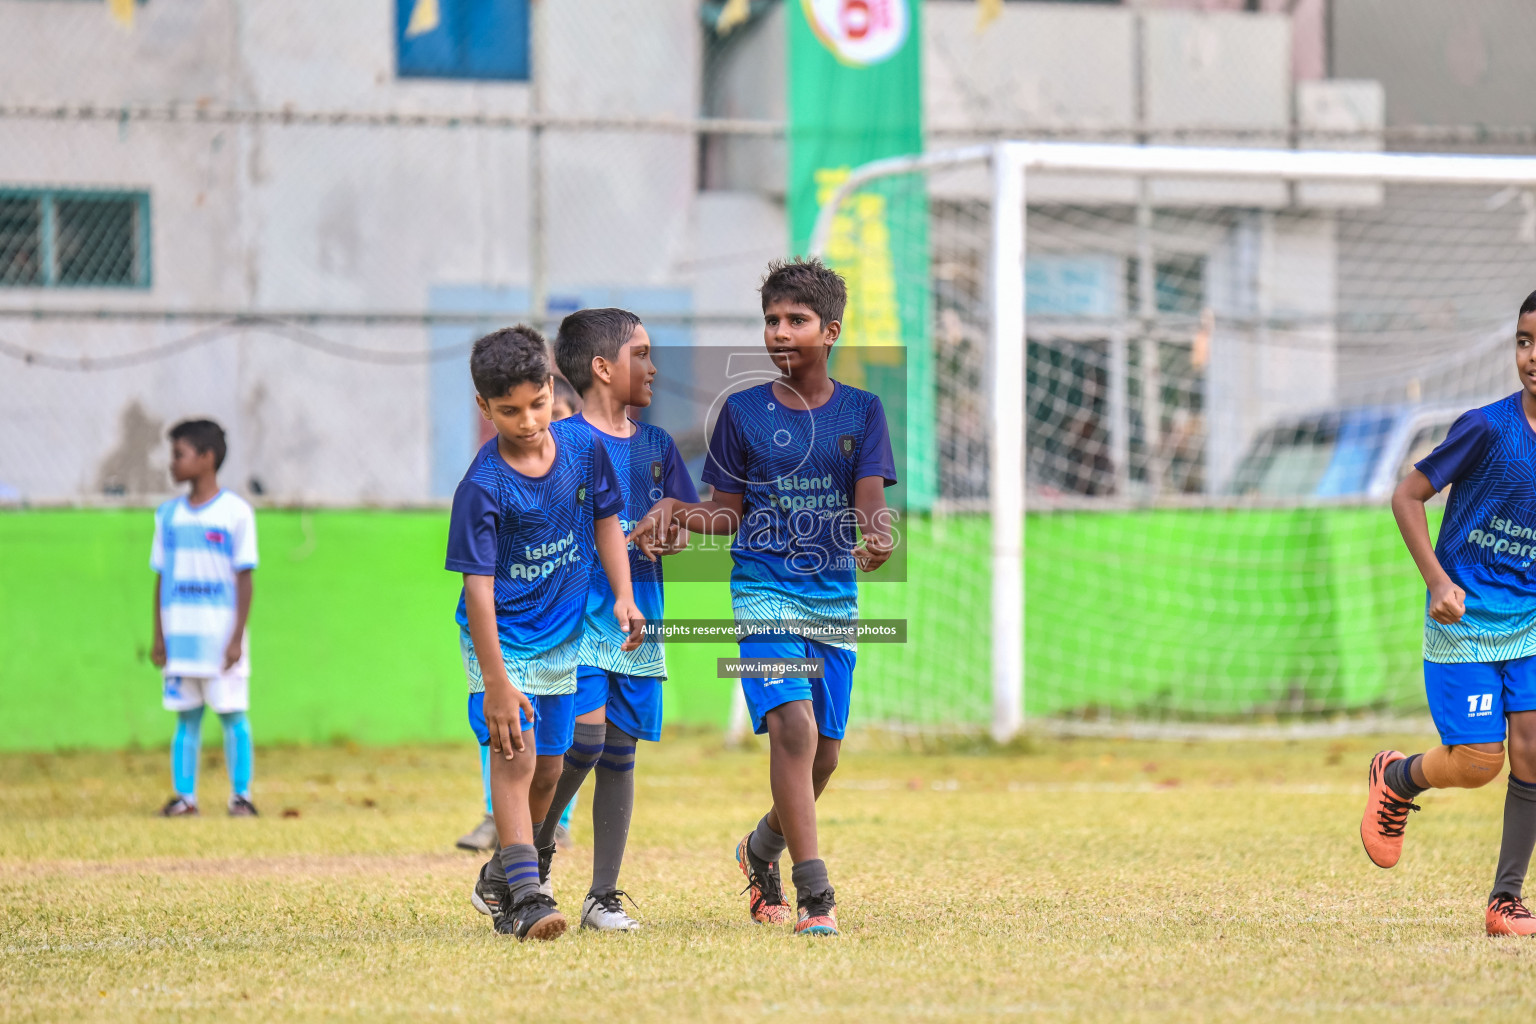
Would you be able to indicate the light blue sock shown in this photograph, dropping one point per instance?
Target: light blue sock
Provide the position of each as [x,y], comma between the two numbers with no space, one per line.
[185,746]
[565,815]
[485,774]
[239,756]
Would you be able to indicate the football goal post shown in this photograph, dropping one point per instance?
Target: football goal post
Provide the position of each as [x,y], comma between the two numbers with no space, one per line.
[1156,399]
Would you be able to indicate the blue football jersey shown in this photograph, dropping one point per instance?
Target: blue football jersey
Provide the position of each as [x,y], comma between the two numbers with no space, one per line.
[1487,541]
[795,470]
[649,468]
[534,535]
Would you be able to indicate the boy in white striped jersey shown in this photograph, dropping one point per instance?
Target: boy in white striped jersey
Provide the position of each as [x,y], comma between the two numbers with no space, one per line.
[204,553]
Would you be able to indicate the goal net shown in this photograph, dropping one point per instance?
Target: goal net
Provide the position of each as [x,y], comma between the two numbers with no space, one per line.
[1156,400]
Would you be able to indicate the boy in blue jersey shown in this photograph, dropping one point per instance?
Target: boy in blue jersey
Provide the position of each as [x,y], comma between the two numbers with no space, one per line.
[483,836]
[606,355]
[204,553]
[1479,631]
[799,468]
[537,506]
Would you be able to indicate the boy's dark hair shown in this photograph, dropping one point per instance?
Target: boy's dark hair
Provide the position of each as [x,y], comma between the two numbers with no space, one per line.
[588,333]
[1528,306]
[203,436]
[567,394]
[809,282]
[503,359]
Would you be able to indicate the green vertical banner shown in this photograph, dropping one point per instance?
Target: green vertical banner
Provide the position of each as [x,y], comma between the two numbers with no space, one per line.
[855,95]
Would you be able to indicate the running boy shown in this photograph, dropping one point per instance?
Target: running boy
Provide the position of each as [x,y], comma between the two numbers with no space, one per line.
[204,552]
[795,464]
[483,836]
[1479,631]
[538,502]
[606,355]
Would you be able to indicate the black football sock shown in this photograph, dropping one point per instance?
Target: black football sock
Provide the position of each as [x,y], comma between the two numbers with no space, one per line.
[810,878]
[613,804]
[765,843]
[1519,838]
[521,865]
[586,748]
[1399,776]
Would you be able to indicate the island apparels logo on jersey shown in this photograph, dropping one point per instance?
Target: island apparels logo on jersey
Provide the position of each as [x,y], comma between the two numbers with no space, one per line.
[846,444]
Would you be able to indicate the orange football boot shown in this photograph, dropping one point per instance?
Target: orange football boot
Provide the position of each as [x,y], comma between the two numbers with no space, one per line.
[818,915]
[1507,916]
[766,902]
[1386,814]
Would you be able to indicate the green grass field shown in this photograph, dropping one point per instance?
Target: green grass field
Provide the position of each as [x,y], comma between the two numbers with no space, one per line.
[1070,880]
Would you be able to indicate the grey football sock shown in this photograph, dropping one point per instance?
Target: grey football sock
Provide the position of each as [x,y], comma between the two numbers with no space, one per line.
[586,748]
[1519,838]
[1399,775]
[613,803]
[810,878]
[766,844]
[521,865]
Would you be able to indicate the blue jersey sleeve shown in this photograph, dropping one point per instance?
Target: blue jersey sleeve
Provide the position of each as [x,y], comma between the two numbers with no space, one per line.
[1461,451]
[472,530]
[875,456]
[676,481]
[726,467]
[607,496]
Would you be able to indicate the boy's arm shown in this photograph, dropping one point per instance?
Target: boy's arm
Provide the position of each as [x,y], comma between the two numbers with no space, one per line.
[1447,601]
[874,519]
[502,699]
[236,645]
[157,645]
[720,516]
[613,553]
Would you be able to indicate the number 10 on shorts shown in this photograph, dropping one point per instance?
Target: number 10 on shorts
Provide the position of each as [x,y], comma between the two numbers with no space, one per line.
[1479,703]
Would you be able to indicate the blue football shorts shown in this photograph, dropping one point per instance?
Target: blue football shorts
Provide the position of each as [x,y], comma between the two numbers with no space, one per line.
[553,725]
[1469,700]
[634,702]
[829,695]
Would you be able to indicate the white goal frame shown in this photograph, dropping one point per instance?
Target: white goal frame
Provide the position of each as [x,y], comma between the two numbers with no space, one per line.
[1011,164]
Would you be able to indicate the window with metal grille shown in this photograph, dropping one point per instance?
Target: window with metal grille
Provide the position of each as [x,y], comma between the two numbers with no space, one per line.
[55,238]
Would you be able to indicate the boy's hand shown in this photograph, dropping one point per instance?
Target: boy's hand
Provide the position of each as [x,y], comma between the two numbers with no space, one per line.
[873,552]
[676,540]
[650,533]
[233,651]
[502,703]
[1447,603]
[631,622]
[157,650]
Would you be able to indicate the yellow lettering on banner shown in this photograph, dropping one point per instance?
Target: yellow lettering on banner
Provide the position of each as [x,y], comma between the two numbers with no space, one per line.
[425,17]
[859,248]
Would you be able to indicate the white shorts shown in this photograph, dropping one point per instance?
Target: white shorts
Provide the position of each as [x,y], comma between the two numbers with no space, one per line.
[224,694]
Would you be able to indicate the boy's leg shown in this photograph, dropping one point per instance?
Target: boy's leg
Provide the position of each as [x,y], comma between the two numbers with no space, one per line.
[240,760]
[1466,701]
[583,749]
[529,914]
[186,747]
[555,729]
[229,696]
[1507,914]
[815,899]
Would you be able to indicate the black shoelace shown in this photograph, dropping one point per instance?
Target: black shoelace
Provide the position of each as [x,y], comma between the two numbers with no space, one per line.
[1510,907]
[1393,816]
[610,901]
[819,904]
[771,893]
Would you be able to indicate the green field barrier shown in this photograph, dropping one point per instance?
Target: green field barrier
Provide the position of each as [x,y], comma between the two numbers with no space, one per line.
[1186,613]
